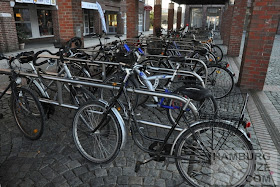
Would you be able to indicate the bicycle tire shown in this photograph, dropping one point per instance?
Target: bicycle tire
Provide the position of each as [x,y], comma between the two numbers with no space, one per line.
[85,140]
[196,167]
[27,105]
[220,80]
[217,51]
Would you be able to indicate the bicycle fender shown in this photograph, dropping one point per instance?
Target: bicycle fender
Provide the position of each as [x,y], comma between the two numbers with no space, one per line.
[120,119]
[199,122]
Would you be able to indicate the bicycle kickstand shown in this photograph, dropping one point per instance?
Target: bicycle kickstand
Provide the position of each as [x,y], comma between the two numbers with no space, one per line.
[139,163]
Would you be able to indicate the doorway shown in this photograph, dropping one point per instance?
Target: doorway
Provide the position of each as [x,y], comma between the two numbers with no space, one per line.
[112,23]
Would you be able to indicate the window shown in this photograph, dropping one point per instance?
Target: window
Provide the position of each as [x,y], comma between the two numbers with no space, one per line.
[22,19]
[196,17]
[45,22]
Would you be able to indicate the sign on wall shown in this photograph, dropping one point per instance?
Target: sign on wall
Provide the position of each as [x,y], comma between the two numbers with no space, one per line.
[41,2]
[87,5]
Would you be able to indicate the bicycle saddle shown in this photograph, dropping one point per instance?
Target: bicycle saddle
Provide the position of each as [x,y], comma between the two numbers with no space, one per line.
[106,38]
[177,59]
[195,92]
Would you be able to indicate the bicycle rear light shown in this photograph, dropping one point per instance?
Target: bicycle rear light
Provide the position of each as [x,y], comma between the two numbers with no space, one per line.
[248,124]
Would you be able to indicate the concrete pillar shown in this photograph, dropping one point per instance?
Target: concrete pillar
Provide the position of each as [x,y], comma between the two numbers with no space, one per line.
[236,28]
[179,17]
[170,19]
[157,16]
[187,15]
[258,43]
[132,18]
[8,33]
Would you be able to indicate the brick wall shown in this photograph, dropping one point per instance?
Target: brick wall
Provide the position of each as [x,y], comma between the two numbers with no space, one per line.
[132,18]
[236,27]
[8,33]
[179,17]
[258,43]
[170,19]
[227,24]
[157,17]
[147,23]
[187,15]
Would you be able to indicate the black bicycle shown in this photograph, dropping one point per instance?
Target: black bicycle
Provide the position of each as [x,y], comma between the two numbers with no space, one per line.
[26,108]
[99,134]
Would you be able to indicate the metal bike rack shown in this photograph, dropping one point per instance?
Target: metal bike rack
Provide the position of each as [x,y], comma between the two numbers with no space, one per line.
[93,83]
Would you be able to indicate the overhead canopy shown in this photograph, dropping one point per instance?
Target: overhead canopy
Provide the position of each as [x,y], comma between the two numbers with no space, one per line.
[201,2]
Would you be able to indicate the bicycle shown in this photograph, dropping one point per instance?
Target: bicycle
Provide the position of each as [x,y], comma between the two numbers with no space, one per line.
[78,94]
[99,134]
[26,108]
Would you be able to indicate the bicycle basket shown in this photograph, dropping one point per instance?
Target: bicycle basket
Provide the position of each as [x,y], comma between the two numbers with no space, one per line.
[230,108]
[154,47]
[125,57]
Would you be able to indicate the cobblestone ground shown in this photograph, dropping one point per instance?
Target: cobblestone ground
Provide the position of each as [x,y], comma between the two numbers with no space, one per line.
[53,160]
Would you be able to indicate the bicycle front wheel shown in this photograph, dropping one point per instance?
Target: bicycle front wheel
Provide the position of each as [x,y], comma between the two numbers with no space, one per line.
[215,154]
[28,113]
[103,145]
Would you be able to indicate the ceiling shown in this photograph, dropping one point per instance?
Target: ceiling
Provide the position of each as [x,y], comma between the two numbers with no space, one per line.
[201,2]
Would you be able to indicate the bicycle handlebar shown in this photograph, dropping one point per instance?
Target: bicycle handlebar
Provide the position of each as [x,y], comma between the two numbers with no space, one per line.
[35,58]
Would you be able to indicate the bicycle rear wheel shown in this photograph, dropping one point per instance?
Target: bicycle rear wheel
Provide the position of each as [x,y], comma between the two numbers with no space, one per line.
[217,51]
[103,145]
[28,113]
[215,154]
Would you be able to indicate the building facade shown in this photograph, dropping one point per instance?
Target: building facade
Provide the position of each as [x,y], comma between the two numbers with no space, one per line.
[59,20]
[204,16]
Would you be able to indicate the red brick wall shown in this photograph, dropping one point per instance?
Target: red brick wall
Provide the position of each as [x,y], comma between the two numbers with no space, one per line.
[132,18]
[147,23]
[236,28]
[179,18]
[227,26]
[170,19]
[258,43]
[8,33]
[187,15]
[157,17]
[70,20]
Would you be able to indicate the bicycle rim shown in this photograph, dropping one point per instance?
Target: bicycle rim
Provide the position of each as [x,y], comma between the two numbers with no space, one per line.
[220,81]
[227,158]
[103,145]
[28,113]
